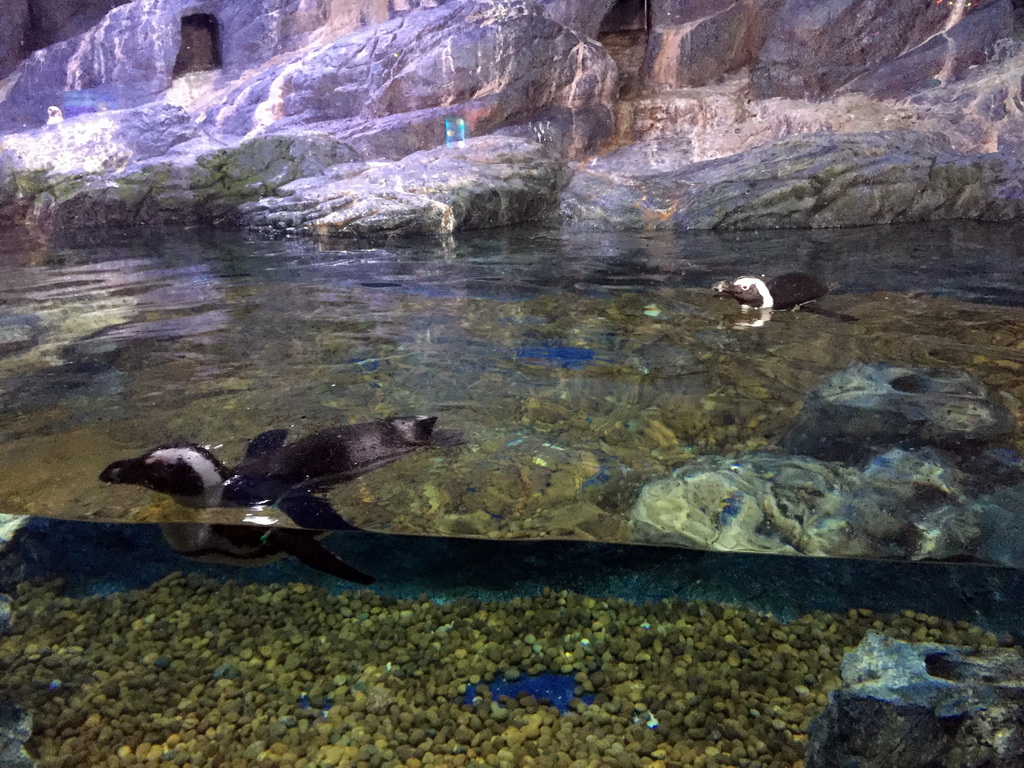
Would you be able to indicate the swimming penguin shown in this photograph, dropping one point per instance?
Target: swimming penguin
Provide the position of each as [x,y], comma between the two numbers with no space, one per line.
[279,474]
[788,291]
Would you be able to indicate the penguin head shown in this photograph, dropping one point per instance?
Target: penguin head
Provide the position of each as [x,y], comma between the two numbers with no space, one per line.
[414,430]
[179,469]
[748,291]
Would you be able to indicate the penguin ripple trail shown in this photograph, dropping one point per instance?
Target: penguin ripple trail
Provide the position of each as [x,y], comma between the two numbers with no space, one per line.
[279,474]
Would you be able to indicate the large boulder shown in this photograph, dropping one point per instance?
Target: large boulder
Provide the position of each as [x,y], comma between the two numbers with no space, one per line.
[815,180]
[492,63]
[488,181]
[815,47]
[198,183]
[922,705]
[897,507]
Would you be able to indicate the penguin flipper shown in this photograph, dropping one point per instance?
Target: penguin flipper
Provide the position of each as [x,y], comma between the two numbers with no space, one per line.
[313,512]
[309,551]
[264,443]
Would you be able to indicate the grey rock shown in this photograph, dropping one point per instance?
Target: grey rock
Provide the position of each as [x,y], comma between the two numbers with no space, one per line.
[192,186]
[488,181]
[130,53]
[582,16]
[694,43]
[492,62]
[814,180]
[866,408]
[945,57]
[904,505]
[19,332]
[100,142]
[814,47]
[922,705]
[15,730]
[14,22]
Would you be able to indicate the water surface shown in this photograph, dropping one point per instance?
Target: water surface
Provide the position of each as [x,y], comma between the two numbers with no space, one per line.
[578,366]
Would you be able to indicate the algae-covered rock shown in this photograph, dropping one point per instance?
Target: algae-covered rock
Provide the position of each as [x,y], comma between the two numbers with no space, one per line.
[194,184]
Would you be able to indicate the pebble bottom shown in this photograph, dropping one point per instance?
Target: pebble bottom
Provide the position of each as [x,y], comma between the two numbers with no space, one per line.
[197,673]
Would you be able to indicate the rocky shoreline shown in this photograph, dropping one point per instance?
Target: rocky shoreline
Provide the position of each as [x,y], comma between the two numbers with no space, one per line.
[360,127]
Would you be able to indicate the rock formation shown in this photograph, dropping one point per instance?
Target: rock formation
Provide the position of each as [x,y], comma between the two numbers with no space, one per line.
[750,113]
[912,705]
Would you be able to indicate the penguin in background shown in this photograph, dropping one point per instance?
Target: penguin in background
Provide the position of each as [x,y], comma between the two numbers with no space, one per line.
[274,473]
[793,290]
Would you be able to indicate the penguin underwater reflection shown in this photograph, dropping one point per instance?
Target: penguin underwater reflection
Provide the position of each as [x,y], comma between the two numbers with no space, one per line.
[279,474]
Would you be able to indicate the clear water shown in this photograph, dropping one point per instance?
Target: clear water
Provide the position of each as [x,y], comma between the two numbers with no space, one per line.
[578,366]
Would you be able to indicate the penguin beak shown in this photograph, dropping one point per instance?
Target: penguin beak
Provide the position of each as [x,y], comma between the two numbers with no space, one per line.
[112,474]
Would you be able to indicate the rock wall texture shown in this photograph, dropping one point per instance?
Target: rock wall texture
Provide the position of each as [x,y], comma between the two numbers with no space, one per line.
[738,113]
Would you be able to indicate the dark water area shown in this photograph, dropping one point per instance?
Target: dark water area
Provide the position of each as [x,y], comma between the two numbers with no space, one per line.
[516,614]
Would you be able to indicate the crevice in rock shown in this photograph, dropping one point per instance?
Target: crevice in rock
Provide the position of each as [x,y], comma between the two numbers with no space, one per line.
[200,45]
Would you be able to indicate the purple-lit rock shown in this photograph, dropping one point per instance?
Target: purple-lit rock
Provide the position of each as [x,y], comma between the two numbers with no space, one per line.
[815,47]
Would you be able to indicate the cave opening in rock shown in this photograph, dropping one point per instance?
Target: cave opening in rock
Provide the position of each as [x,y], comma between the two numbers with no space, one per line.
[623,33]
[627,16]
[200,44]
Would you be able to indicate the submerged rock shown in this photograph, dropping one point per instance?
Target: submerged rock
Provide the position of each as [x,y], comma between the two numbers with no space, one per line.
[866,408]
[15,730]
[922,705]
[904,505]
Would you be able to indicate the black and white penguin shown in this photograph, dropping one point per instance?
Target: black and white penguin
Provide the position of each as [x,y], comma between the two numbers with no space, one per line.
[788,291]
[275,474]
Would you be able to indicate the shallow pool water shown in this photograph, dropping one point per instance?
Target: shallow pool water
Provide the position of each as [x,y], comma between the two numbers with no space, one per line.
[577,366]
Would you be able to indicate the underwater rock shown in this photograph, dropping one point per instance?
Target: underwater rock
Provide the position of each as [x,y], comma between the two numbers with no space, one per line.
[866,408]
[15,730]
[19,332]
[9,525]
[5,614]
[485,182]
[814,180]
[918,705]
[905,505]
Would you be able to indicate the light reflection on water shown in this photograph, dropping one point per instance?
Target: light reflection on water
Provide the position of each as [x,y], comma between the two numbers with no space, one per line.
[578,366]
